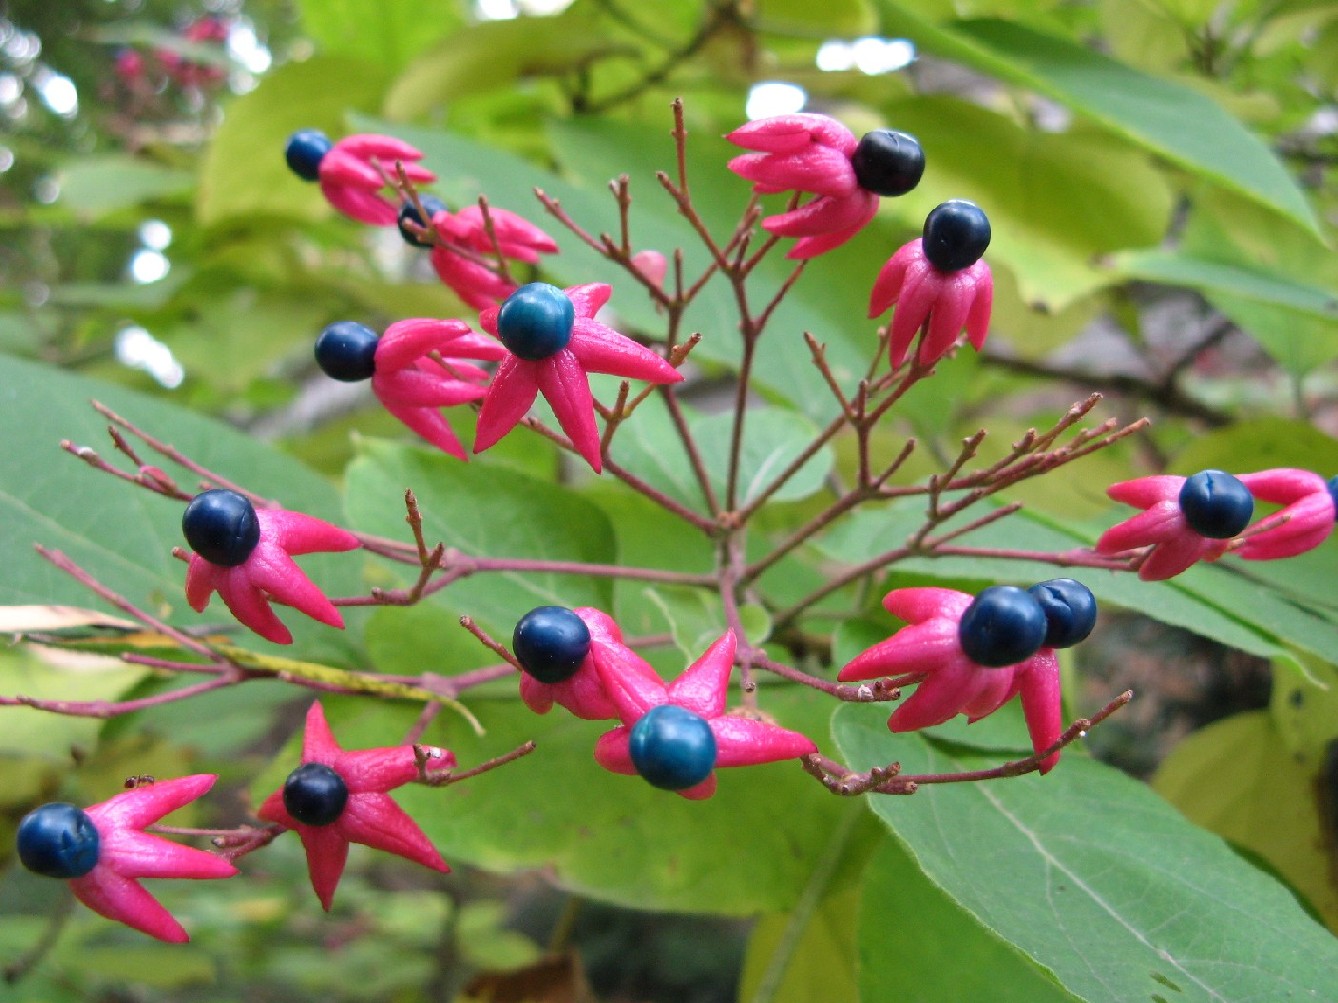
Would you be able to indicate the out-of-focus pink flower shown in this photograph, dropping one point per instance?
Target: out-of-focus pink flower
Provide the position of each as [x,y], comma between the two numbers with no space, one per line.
[352,184]
[1161,526]
[651,266]
[269,574]
[941,302]
[929,652]
[806,153]
[129,65]
[561,377]
[1310,505]
[126,853]
[368,816]
[413,387]
[475,283]
[583,693]
[702,690]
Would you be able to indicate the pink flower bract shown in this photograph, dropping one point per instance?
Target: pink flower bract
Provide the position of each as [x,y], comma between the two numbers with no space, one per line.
[929,652]
[269,574]
[352,184]
[561,378]
[1161,526]
[413,387]
[941,302]
[370,816]
[477,284]
[806,153]
[1309,506]
[701,689]
[126,853]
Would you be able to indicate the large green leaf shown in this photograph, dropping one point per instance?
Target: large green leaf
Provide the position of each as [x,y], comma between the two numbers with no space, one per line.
[98,185]
[1097,879]
[387,35]
[124,535]
[1165,118]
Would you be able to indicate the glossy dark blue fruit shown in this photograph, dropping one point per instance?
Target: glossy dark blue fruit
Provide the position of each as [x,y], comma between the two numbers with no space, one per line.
[1069,608]
[1216,504]
[1003,625]
[550,642]
[888,162]
[409,213]
[305,151]
[58,840]
[221,526]
[315,794]
[673,748]
[956,234]
[346,351]
[1332,485]
[535,321]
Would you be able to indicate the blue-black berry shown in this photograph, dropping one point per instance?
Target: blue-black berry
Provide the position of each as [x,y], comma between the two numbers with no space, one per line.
[888,162]
[346,351]
[1216,504]
[550,642]
[672,748]
[305,151]
[221,526]
[58,840]
[1003,625]
[315,794]
[409,214]
[1069,608]
[1332,485]
[535,321]
[956,234]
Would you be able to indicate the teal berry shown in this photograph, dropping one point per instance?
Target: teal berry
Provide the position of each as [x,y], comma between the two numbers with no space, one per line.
[346,351]
[409,214]
[1216,504]
[1069,608]
[1332,485]
[672,748]
[535,321]
[305,151]
[1003,625]
[888,162]
[551,642]
[221,526]
[956,234]
[58,840]
[315,794]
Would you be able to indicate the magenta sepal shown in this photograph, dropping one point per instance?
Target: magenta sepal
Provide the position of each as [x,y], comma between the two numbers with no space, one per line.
[584,693]
[126,854]
[940,302]
[928,652]
[1307,503]
[370,816]
[478,285]
[269,574]
[1162,526]
[352,184]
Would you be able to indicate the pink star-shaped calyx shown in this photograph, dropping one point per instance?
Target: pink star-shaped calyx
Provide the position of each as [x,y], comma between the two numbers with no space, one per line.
[369,816]
[561,376]
[351,182]
[583,693]
[269,574]
[806,153]
[127,854]
[701,689]
[412,386]
[477,284]
[940,302]
[929,652]
[1310,507]
[1175,546]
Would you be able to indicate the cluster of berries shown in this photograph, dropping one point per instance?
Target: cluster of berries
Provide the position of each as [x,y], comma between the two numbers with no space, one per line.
[136,69]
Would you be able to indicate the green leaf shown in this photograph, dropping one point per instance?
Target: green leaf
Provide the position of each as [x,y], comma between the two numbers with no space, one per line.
[916,943]
[124,535]
[1096,878]
[244,172]
[99,185]
[1238,779]
[816,961]
[1165,118]
[841,18]
[484,511]
[385,35]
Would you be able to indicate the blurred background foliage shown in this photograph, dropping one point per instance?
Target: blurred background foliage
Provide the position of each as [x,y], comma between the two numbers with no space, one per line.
[1160,176]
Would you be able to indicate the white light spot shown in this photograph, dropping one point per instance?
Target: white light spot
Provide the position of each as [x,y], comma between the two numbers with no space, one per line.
[155,234]
[6,159]
[774,98]
[60,95]
[544,8]
[23,47]
[245,48]
[148,266]
[11,88]
[882,55]
[836,56]
[46,190]
[496,10]
[138,349]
